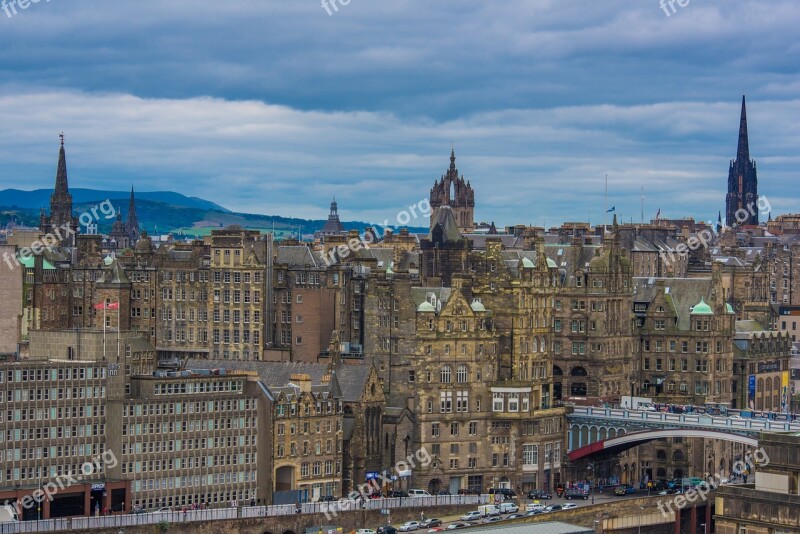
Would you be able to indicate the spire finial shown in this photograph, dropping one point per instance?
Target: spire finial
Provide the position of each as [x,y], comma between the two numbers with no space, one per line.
[61,136]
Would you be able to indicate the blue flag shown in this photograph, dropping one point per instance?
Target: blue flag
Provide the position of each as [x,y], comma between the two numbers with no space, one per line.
[613,208]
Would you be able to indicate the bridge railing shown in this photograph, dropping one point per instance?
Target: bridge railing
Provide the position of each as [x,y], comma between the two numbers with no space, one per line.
[691,419]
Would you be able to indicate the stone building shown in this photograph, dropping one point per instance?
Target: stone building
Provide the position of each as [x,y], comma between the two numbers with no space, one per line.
[240,294]
[772,504]
[761,368]
[742,181]
[174,438]
[303,302]
[593,346]
[686,331]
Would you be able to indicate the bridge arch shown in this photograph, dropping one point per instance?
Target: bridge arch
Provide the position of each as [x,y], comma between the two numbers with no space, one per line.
[625,441]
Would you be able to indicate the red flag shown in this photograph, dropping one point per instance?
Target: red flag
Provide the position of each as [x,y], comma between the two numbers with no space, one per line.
[113,306]
[109,306]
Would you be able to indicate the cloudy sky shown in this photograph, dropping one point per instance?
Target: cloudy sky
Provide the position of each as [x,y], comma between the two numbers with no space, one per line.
[274,107]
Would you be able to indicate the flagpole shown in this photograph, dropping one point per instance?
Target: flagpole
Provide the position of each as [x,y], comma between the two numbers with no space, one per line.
[642,204]
[605,208]
[104,330]
[119,327]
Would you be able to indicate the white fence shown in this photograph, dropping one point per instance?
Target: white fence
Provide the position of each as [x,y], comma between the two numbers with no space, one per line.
[125,520]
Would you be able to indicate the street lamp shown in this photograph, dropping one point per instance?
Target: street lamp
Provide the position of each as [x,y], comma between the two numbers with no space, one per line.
[592,479]
[641,508]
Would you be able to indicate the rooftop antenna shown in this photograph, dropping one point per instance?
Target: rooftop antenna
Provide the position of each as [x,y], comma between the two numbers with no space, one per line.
[642,204]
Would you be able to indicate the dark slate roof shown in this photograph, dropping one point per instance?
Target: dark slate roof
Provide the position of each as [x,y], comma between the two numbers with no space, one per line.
[444,217]
[350,379]
[479,240]
[297,255]
[682,292]
[420,294]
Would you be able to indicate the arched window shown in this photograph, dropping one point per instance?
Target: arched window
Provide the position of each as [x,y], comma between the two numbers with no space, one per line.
[578,371]
[461,374]
[677,456]
[445,374]
[535,346]
[542,345]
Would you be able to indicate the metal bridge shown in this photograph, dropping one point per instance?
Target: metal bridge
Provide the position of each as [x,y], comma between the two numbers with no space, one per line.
[612,430]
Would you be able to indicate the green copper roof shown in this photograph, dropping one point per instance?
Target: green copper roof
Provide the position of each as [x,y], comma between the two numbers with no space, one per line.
[729,309]
[702,308]
[527,264]
[477,306]
[426,307]
[551,264]
[28,263]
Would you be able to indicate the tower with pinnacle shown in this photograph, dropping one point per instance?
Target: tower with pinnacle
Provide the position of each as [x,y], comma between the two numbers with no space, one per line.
[333,226]
[455,192]
[60,223]
[742,181]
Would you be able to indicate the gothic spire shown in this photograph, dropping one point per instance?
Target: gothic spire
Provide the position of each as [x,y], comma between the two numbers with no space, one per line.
[133,220]
[62,186]
[453,159]
[743,152]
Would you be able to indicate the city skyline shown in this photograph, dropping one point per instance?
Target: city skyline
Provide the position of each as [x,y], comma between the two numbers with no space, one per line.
[542,103]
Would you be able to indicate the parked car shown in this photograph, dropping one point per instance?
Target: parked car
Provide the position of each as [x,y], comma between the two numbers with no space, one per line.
[387,529]
[436,529]
[624,489]
[397,494]
[432,522]
[409,526]
[507,493]
[469,491]
[164,509]
[418,493]
[487,510]
[569,506]
[534,512]
[365,531]
[442,492]
[453,526]
[328,498]
[515,516]
[472,516]
[508,508]
[535,507]
[575,493]
[539,494]
[554,508]
[492,519]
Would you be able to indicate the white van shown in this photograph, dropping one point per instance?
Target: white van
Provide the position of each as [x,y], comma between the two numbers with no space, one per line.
[418,493]
[8,514]
[508,508]
[488,510]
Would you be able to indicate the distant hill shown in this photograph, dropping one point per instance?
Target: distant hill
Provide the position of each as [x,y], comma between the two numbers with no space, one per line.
[160,212]
[39,198]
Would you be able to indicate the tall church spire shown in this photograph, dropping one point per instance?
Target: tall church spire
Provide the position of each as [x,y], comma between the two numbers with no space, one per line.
[740,203]
[743,151]
[133,220]
[62,186]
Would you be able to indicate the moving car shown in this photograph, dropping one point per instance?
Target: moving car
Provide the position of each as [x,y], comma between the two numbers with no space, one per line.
[409,526]
[515,516]
[534,512]
[487,510]
[569,506]
[554,508]
[535,507]
[539,494]
[624,489]
[365,531]
[575,493]
[418,493]
[453,526]
[492,519]
[432,522]
[471,516]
